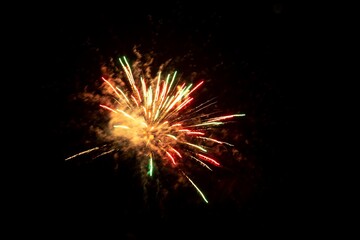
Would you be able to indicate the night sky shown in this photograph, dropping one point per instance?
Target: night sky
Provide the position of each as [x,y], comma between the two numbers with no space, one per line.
[247,55]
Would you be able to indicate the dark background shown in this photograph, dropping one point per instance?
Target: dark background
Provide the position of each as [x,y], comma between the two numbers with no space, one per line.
[251,56]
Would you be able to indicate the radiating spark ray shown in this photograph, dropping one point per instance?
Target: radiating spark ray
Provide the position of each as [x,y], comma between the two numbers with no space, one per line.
[217,141]
[172,136]
[173,149]
[108,108]
[196,187]
[208,159]
[81,153]
[196,87]
[196,146]
[207,124]
[151,167]
[201,162]
[171,157]
[121,126]
[124,96]
[104,153]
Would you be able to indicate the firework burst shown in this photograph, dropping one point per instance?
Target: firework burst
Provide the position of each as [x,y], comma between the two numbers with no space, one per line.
[156,118]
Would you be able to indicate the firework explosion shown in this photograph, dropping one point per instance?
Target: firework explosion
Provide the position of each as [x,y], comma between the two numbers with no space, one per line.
[154,117]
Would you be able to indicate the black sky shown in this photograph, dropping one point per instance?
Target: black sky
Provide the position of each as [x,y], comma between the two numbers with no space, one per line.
[248,54]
